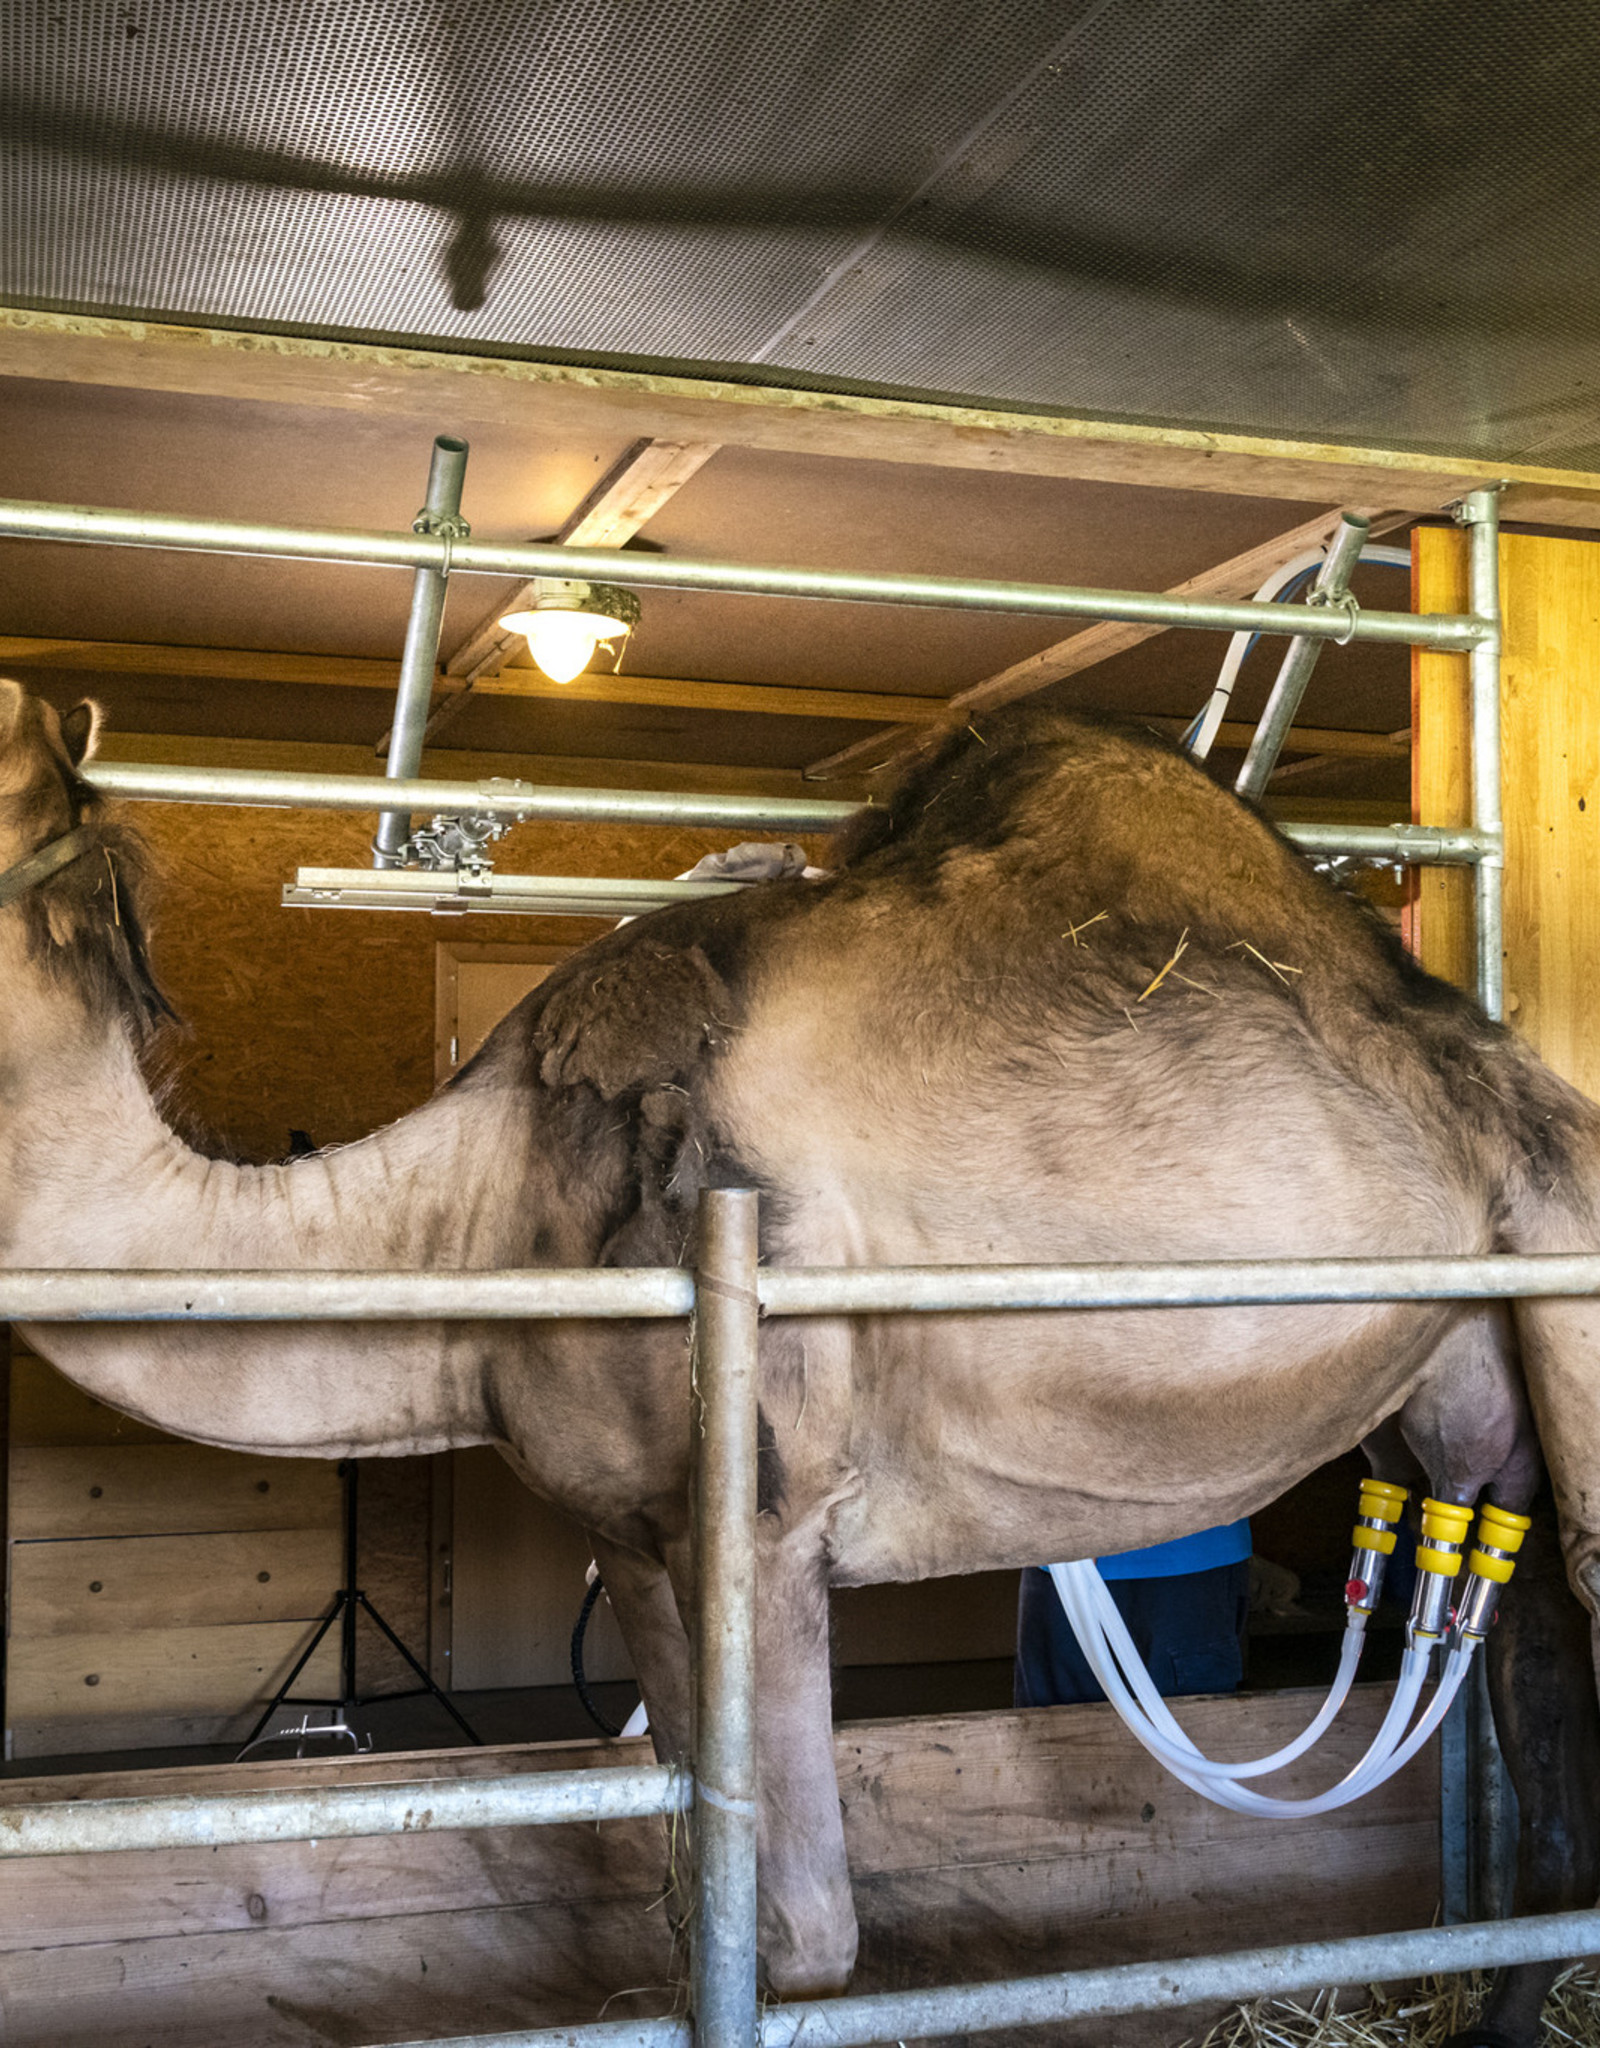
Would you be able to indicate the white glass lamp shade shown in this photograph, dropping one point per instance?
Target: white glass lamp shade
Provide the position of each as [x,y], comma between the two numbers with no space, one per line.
[568,621]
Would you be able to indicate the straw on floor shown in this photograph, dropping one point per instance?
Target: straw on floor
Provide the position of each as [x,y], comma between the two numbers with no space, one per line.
[1421,2015]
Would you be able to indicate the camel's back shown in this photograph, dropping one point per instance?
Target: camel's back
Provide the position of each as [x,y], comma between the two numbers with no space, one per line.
[1057,940]
[1058,925]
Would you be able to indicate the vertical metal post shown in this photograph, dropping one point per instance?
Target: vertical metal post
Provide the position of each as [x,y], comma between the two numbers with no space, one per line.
[1480,515]
[726,1317]
[441,514]
[1300,658]
[1478,1805]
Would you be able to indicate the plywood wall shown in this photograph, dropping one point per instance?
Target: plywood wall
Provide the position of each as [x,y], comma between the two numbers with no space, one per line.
[1550,718]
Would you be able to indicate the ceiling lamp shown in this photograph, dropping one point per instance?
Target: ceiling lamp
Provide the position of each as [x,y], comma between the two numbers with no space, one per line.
[569,620]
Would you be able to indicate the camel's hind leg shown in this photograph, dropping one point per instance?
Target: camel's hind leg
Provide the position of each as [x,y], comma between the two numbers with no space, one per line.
[1470,1427]
[1548,1722]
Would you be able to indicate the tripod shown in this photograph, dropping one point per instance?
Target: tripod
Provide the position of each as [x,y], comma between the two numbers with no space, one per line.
[347,1603]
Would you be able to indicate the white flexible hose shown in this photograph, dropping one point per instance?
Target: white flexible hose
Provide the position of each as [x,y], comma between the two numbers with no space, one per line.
[1106,1643]
[1239,646]
[1169,1740]
[1205,734]
[1148,1714]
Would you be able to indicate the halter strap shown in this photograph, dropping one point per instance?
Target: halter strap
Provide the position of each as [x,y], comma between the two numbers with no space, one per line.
[49,860]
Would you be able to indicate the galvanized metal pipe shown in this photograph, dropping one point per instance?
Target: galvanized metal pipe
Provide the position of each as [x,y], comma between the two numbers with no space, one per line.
[1480,514]
[727,1313]
[289,789]
[68,1295]
[1478,1825]
[1300,658]
[619,1293]
[335,1812]
[21,520]
[1153,1987]
[1408,845]
[943,1290]
[440,515]
[1237,1975]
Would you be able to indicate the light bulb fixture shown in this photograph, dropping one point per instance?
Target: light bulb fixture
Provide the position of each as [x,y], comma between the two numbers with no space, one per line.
[569,620]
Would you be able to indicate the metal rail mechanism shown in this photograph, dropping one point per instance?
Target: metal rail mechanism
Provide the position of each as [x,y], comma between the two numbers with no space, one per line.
[719,1787]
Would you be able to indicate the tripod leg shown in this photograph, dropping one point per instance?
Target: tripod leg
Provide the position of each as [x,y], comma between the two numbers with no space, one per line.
[443,1698]
[340,1602]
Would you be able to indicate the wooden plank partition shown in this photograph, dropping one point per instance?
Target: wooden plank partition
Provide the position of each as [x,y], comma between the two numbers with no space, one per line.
[981,1845]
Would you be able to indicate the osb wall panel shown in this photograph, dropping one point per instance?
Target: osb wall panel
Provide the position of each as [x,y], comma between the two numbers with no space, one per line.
[322,1020]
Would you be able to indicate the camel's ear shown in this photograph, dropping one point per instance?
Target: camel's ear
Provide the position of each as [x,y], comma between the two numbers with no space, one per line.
[633,1022]
[80,728]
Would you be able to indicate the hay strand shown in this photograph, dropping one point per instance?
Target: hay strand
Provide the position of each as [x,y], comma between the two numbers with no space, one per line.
[1421,2015]
[1181,949]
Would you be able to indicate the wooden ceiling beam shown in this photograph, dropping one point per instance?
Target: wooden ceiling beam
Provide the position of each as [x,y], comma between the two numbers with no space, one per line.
[334,671]
[630,494]
[444,388]
[1239,576]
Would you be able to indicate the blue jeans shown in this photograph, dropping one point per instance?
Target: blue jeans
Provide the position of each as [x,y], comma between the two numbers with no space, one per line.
[1189,1629]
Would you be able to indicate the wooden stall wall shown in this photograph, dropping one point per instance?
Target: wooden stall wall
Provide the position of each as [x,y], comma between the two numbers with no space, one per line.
[980,1845]
[159,1591]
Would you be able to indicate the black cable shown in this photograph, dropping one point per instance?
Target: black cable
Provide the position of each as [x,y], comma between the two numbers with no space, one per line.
[596,1588]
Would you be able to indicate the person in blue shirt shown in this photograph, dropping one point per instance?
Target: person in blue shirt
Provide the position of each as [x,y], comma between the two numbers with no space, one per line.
[1185,1604]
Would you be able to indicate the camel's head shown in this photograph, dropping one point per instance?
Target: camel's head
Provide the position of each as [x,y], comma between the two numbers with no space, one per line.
[82,922]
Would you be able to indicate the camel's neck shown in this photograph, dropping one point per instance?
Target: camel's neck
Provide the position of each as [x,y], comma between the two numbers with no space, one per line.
[90,1175]
[97,1178]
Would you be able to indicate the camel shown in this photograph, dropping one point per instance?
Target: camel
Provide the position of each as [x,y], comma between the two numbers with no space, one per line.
[1061,999]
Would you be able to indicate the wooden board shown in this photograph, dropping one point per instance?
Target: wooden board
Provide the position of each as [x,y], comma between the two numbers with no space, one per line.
[1550,750]
[980,1846]
[109,1586]
[47,1409]
[1550,708]
[223,1675]
[517,1584]
[625,404]
[165,1489]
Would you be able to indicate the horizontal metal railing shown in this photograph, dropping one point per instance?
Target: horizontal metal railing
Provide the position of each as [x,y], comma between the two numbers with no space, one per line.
[415,1807]
[21,520]
[165,1822]
[294,789]
[963,2009]
[64,1295]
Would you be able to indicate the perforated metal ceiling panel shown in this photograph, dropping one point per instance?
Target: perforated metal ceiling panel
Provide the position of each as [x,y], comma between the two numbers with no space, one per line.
[1317,218]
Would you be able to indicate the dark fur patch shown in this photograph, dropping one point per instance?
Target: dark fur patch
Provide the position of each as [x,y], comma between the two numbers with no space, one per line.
[85,925]
[772,1481]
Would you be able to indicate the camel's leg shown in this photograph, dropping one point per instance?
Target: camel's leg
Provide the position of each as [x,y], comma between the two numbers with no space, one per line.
[807,1921]
[1545,1713]
[641,1596]
[1470,1427]
[640,1591]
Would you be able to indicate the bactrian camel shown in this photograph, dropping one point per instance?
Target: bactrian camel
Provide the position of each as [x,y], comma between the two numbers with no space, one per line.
[1061,999]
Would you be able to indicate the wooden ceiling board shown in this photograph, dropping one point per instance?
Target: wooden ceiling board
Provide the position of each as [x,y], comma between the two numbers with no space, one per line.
[232,457]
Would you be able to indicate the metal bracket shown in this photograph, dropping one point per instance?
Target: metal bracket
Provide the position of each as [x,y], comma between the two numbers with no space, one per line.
[1346,602]
[457,845]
